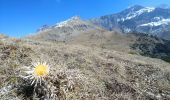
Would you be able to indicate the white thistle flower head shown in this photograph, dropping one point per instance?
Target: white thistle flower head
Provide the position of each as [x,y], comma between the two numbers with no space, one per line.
[38,72]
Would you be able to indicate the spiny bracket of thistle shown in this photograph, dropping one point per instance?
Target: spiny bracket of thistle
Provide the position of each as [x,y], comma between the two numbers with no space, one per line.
[44,83]
[37,73]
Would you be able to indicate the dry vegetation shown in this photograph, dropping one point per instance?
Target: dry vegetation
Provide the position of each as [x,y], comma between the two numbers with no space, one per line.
[81,73]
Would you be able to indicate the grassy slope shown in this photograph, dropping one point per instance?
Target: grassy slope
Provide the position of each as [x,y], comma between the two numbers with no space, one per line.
[94,73]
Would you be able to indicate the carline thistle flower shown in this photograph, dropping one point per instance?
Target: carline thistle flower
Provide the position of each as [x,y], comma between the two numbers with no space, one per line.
[38,73]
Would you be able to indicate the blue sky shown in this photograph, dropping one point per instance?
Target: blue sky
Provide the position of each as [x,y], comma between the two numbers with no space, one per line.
[19,18]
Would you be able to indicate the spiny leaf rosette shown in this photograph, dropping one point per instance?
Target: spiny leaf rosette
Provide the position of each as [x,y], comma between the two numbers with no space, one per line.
[38,73]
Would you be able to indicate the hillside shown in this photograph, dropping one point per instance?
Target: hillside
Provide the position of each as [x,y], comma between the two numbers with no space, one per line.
[79,72]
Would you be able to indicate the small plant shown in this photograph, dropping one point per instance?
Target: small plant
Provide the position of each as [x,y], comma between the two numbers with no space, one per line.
[38,72]
[45,84]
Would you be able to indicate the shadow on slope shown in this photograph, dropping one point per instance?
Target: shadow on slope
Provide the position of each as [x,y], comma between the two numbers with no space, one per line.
[152,46]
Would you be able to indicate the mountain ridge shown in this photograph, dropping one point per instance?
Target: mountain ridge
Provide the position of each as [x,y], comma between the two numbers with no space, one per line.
[133,18]
[149,20]
[78,31]
[63,31]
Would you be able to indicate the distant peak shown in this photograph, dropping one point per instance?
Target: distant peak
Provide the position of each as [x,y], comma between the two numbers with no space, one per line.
[75,18]
[3,36]
[135,7]
[42,28]
[138,7]
[66,22]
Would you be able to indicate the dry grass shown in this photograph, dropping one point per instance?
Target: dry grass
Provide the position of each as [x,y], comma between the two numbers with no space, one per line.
[82,73]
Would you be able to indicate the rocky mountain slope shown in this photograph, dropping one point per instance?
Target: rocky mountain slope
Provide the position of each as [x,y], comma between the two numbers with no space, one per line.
[149,20]
[152,46]
[64,31]
[78,31]
[79,72]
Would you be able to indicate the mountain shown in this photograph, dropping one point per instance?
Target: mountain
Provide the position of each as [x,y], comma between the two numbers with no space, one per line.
[149,20]
[66,30]
[78,31]
[138,19]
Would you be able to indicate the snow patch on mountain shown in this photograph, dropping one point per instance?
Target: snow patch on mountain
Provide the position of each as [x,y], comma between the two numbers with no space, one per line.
[141,11]
[71,21]
[133,14]
[158,23]
[157,18]
[65,23]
